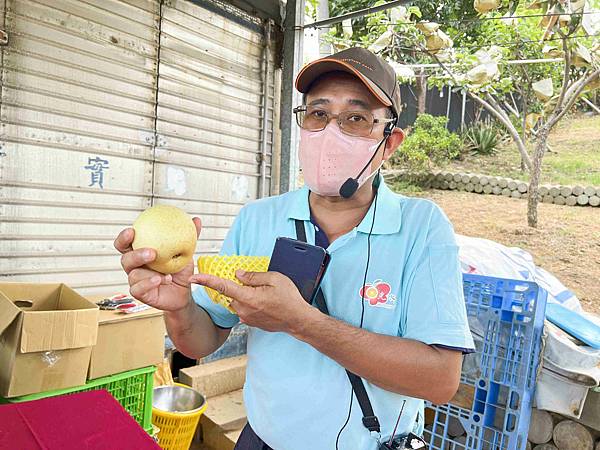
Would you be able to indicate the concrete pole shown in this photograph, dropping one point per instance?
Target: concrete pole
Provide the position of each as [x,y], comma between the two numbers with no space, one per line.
[325,49]
[292,60]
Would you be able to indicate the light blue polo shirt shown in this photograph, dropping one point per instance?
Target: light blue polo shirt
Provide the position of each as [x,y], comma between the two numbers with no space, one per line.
[297,398]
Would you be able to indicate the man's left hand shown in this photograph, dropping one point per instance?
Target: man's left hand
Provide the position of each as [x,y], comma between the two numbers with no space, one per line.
[267,300]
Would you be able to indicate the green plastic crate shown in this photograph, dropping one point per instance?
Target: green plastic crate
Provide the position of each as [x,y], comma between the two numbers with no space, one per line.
[132,389]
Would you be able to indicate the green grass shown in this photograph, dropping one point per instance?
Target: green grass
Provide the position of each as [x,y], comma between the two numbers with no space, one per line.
[405,187]
[574,159]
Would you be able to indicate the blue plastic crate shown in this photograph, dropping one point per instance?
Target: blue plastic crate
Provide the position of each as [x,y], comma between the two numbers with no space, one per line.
[507,320]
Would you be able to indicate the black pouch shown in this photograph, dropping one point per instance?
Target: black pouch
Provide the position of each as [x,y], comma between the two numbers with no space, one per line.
[405,442]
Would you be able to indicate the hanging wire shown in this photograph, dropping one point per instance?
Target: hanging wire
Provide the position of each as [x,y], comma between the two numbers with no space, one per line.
[479,19]
[500,44]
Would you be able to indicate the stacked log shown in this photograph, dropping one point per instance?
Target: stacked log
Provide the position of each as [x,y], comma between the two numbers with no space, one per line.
[452,429]
[541,426]
[492,185]
[549,431]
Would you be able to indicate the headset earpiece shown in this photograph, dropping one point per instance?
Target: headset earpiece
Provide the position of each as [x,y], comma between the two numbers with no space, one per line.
[389,127]
[388,130]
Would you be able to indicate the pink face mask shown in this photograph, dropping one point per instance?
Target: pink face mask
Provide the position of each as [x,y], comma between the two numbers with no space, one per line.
[329,157]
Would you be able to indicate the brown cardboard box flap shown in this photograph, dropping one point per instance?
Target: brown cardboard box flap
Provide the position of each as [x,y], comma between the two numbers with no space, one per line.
[30,291]
[58,330]
[37,318]
[54,317]
[34,372]
[8,312]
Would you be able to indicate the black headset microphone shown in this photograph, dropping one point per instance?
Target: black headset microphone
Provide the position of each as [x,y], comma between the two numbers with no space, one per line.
[350,186]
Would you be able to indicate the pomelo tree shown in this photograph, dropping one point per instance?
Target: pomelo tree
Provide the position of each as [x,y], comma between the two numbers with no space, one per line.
[460,46]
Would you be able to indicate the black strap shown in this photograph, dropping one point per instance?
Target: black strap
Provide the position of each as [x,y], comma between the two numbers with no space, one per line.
[369,419]
[300,231]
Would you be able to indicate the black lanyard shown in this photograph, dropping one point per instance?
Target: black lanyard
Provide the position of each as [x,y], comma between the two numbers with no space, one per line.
[369,420]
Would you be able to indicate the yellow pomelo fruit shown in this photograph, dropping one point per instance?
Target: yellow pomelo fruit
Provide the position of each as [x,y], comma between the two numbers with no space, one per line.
[171,232]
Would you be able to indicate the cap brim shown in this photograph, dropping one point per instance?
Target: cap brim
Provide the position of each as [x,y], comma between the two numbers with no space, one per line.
[315,69]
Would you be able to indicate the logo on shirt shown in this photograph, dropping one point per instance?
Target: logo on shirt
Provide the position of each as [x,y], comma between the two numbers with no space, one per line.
[378,294]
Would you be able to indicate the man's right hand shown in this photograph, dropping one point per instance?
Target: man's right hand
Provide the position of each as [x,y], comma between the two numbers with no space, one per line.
[166,292]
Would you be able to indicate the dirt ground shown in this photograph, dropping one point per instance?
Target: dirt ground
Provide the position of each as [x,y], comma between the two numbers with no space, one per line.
[567,242]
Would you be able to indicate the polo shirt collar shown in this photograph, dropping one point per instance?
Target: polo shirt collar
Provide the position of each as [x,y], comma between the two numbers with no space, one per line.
[299,209]
[388,215]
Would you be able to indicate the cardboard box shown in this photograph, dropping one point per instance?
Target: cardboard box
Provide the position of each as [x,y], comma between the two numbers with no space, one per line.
[127,341]
[46,336]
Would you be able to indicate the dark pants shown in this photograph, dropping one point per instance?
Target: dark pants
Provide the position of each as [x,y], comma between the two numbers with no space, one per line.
[250,441]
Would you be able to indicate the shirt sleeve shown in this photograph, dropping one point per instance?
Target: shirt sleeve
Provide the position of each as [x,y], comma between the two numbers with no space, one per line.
[222,317]
[436,312]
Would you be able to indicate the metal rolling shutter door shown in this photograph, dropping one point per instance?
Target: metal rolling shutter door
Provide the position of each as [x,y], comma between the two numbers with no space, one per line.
[210,114]
[78,127]
[77,113]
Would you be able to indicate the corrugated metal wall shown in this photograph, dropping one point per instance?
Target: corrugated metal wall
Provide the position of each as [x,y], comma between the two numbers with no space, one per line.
[209,116]
[78,90]
[90,141]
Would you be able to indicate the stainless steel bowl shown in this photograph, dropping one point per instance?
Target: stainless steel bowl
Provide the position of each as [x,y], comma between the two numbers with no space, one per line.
[175,398]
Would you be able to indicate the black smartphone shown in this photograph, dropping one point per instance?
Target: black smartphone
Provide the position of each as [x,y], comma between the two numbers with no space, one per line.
[303,263]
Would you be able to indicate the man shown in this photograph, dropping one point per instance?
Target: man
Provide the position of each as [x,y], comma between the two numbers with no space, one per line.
[396,316]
